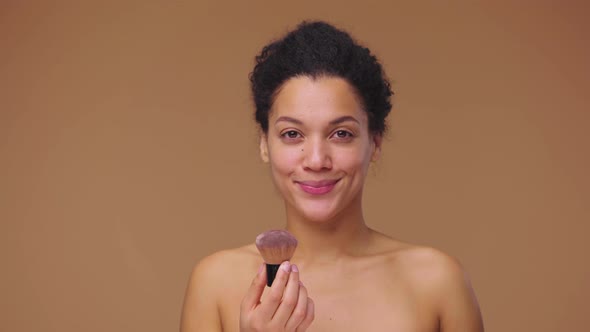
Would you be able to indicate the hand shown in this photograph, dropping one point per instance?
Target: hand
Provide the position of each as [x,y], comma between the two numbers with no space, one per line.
[285,308]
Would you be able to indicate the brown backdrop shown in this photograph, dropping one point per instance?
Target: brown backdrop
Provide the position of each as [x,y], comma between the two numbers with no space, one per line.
[128,151]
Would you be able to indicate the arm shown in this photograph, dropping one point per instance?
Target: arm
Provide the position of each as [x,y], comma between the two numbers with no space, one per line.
[200,310]
[440,279]
[459,310]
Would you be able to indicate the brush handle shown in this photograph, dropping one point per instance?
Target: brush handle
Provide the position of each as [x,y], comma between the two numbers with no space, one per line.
[271,273]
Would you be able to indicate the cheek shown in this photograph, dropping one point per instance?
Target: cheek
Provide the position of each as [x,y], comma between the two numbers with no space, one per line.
[353,161]
[284,161]
[352,164]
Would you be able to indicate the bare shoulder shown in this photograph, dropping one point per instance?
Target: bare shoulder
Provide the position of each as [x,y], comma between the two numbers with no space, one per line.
[437,279]
[442,282]
[422,264]
[430,266]
[425,269]
[209,281]
[222,258]
[222,265]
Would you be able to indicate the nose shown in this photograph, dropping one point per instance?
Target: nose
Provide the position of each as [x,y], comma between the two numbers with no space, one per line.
[316,155]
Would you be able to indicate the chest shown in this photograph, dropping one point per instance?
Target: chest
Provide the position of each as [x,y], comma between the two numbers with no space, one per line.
[369,308]
[355,305]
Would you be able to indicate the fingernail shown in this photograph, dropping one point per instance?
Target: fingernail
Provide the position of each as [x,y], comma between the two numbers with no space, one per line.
[294,268]
[286,266]
[260,268]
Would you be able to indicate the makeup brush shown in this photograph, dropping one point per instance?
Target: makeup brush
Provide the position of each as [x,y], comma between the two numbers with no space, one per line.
[275,246]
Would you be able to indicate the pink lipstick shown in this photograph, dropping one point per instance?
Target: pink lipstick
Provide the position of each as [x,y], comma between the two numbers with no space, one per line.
[317,187]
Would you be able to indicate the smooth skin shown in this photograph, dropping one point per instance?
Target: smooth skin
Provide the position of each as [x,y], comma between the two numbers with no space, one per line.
[344,276]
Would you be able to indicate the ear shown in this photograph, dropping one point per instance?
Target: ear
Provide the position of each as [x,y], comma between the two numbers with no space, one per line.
[263,147]
[377,141]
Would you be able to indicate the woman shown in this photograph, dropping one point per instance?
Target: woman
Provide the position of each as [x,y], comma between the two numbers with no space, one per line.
[321,103]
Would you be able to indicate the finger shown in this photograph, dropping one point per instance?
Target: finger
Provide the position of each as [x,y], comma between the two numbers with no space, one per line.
[254,293]
[289,300]
[300,311]
[309,316]
[273,299]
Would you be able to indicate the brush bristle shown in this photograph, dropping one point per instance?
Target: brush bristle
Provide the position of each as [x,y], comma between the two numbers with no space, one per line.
[276,246]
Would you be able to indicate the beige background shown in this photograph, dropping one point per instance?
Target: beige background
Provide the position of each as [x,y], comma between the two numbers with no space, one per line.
[128,151]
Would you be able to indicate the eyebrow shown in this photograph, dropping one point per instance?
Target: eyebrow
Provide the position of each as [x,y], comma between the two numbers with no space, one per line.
[333,122]
[342,119]
[288,119]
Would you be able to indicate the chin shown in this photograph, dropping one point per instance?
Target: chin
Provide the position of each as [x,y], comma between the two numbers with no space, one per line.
[318,212]
[319,217]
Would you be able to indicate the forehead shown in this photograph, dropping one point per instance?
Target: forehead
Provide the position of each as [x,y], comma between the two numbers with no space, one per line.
[316,98]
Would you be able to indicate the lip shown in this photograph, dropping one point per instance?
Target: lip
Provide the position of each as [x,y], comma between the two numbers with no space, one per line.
[317,187]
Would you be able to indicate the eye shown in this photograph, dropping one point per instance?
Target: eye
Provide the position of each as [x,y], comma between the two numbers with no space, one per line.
[291,134]
[343,134]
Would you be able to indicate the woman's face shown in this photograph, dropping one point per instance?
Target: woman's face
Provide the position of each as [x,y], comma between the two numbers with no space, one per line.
[318,146]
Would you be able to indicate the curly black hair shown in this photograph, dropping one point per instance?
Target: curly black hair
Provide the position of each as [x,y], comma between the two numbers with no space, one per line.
[318,49]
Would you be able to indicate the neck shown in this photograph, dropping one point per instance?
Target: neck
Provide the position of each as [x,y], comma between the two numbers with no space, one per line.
[342,236]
